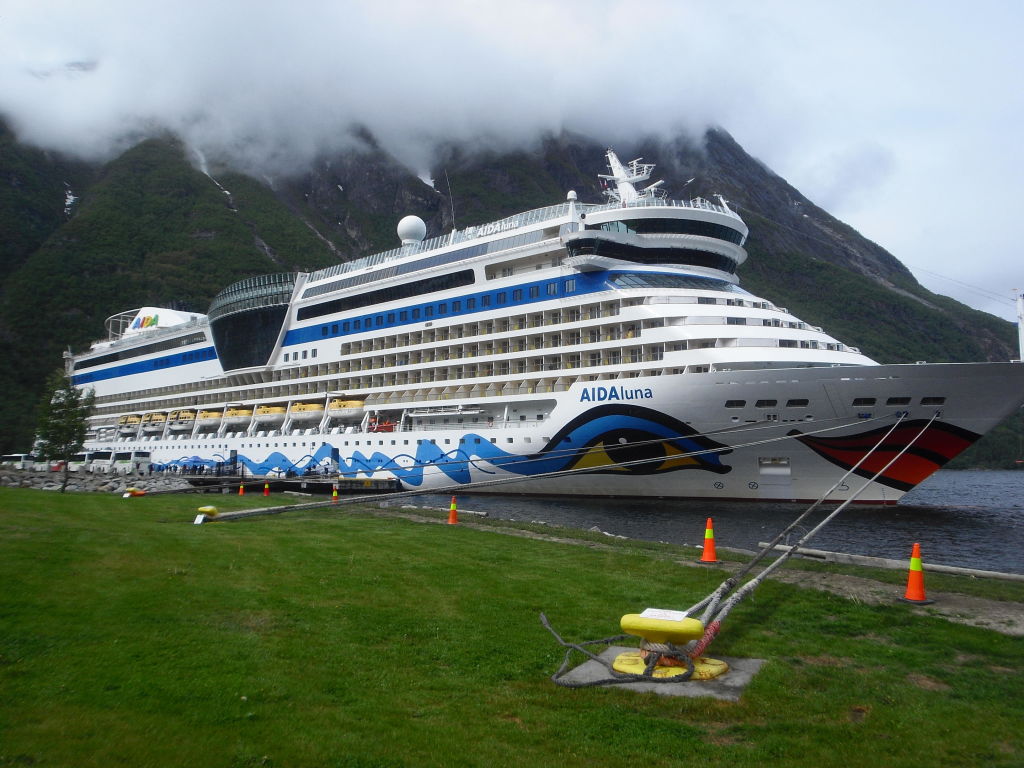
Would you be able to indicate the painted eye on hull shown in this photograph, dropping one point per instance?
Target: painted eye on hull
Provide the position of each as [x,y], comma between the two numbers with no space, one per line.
[630,439]
[636,452]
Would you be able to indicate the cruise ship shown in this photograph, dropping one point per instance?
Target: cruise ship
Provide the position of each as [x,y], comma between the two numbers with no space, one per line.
[588,349]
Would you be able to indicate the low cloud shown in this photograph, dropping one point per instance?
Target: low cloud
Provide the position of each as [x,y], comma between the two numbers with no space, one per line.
[843,101]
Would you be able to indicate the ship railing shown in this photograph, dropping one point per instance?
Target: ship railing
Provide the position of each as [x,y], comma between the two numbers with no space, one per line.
[465,426]
[156,333]
[527,218]
[696,203]
[551,212]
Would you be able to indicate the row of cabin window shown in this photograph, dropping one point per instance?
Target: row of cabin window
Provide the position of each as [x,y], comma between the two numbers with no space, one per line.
[802,402]
[448,441]
[186,357]
[441,309]
[295,355]
[503,325]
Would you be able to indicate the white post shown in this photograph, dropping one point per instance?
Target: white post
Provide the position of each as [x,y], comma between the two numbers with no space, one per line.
[1020,325]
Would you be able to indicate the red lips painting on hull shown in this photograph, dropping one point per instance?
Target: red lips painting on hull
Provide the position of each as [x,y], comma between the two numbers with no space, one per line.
[931,451]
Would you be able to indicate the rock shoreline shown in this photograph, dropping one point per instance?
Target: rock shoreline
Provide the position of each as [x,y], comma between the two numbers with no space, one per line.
[86,482]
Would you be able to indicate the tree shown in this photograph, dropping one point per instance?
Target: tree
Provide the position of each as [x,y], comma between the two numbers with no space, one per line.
[62,421]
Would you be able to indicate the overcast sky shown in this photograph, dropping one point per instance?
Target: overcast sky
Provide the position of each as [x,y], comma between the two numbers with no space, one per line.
[900,117]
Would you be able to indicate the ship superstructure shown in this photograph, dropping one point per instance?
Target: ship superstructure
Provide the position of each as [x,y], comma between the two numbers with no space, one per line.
[580,348]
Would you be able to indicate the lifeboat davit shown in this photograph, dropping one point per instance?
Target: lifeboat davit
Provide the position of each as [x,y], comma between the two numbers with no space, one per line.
[306,412]
[154,422]
[237,417]
[209,419]
[270,414]
[129,425]
[347,410]
[178,421]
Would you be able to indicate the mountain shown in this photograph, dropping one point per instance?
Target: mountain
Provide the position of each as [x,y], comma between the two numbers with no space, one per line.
[83,242]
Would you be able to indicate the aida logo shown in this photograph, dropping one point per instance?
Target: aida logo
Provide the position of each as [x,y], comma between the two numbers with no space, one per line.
[601,394]
[140,322]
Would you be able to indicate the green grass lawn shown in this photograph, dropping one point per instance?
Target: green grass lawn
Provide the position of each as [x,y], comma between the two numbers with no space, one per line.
[129,636]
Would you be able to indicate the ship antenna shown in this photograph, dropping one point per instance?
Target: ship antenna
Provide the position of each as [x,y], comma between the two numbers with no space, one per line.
[451,198]
[624,178]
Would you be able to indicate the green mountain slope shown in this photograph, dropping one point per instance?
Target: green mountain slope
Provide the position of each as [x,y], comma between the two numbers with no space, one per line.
[150,230]
[34,190]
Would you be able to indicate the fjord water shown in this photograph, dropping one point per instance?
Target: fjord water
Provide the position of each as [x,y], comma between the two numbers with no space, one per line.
[972,519]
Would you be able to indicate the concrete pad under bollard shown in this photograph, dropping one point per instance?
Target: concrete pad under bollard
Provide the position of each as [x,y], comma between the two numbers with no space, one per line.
[728,687]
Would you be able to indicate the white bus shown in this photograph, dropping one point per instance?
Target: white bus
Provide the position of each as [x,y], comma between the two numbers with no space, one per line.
[81,462]
[126,462]
[99,461]
[19,460]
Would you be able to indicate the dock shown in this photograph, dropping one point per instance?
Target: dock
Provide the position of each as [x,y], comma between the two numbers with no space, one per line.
[314,485]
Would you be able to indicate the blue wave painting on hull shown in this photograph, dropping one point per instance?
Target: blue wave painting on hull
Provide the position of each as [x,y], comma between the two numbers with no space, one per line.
[601,440]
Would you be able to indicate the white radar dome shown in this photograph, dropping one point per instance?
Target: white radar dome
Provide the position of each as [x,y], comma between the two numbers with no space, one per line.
[412,230]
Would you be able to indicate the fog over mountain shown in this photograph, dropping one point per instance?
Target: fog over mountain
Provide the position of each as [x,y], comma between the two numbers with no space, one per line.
[895,117]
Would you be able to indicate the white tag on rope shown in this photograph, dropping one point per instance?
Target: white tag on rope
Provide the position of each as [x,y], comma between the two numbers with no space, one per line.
[664,613]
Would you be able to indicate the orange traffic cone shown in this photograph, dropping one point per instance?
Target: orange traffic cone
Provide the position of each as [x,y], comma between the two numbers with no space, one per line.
[334,495]
[708,555]
[453,514]
[915,580]
[266,489]
[241,489]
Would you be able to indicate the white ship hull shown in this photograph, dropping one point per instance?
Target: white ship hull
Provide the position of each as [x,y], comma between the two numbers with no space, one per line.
[659,437]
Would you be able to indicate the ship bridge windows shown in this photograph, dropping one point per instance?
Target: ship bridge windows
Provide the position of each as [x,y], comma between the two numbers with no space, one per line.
[671,226]
[391,293]
[665,280]
[148,349]
[594,246]
[530,263]
[451,257]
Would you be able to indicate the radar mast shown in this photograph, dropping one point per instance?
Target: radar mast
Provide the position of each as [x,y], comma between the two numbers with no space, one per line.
[625,178]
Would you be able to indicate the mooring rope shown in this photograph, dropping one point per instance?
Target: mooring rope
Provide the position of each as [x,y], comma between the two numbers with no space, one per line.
[711,601]
[716,611]
[714,616]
